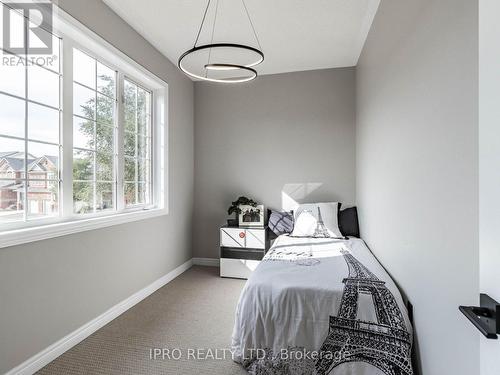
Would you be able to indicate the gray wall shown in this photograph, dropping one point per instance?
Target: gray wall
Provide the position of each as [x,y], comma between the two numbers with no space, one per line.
[417,175]
[49,288]
[282,138]
[489,161]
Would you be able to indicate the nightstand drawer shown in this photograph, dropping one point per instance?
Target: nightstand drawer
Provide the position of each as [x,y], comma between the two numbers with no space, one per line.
[232,237]
[243,237]
[238,268]
[234,253]
[256,238]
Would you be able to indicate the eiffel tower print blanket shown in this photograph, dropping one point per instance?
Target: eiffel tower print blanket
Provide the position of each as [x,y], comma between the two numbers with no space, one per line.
[321,306]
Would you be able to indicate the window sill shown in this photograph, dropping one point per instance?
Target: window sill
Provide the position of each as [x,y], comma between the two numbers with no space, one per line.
[47,231]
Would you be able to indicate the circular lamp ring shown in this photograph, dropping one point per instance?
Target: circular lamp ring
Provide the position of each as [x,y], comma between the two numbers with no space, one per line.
[217,66]
[226,45]
[247,67]
[252,76]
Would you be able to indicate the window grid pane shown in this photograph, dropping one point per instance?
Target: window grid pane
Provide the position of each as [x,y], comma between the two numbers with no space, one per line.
[94,106]
[30,141]
[137,145]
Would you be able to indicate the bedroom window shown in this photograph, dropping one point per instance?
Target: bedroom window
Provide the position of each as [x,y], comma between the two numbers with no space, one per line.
[137,144]
[30,140]
[94,123]
[82,139]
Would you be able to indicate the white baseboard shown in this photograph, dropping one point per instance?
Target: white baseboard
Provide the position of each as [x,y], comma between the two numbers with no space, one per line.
[211,262]
[50,353]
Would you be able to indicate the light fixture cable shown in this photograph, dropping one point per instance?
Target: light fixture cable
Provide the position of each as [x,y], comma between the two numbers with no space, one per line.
[251,24]
[202,22]
[212,38]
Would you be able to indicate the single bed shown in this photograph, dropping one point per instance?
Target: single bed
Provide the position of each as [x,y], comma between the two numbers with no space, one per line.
[321,306]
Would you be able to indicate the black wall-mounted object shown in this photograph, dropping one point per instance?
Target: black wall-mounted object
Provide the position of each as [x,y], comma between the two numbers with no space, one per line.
[486,317]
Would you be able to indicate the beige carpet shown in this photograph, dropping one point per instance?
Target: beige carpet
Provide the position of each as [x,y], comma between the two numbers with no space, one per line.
[194,311]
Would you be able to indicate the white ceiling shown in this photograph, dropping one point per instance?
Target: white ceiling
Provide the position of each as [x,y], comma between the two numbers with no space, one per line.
[295,35]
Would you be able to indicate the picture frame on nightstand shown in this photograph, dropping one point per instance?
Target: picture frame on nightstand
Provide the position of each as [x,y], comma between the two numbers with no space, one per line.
[251,216]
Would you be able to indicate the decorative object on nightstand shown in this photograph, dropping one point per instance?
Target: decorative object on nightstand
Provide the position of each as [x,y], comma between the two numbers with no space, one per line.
[235,208]
[241,250]
[251,216]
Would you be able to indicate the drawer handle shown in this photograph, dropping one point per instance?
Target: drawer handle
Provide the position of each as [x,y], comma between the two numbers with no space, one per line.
[242,234]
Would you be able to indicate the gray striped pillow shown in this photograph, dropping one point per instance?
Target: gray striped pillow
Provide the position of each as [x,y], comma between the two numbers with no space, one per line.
[280,222]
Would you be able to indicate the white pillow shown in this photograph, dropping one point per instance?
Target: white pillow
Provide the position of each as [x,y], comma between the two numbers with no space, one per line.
[308,225]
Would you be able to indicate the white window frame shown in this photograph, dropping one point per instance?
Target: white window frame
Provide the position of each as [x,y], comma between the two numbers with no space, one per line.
[152,136]
[76,35]
[68,107]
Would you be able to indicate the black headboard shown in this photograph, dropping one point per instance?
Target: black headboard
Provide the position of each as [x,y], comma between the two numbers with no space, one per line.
[348,222]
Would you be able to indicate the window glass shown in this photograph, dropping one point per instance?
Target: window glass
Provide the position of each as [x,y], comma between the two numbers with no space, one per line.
[12,113]
[137,144]
[43,123]
[84,69]
[43,86]
[30,142]
[94,177]
[106,80]
[12,79]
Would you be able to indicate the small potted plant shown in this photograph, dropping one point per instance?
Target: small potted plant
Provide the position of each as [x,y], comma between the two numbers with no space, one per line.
[235,209]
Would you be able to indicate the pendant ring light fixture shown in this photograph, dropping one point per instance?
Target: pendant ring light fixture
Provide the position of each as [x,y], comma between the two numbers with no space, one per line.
[247,71]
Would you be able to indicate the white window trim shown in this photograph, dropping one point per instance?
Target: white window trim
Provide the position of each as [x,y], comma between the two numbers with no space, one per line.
[68,223]
[43,232]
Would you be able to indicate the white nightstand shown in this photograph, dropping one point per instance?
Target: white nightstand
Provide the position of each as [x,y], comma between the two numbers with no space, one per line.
[241,250]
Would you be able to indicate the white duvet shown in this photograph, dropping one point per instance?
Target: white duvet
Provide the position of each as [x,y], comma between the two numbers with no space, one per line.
[304,310]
